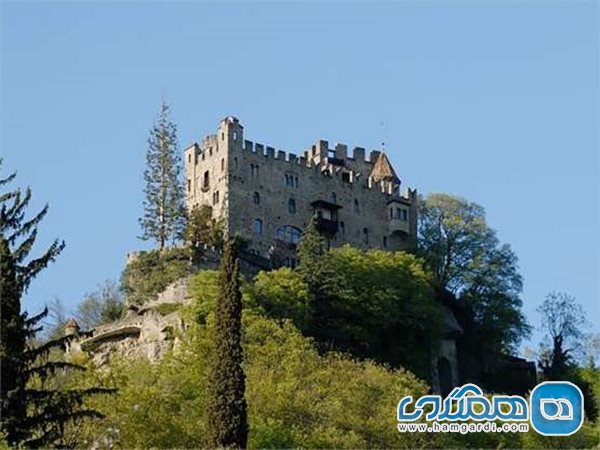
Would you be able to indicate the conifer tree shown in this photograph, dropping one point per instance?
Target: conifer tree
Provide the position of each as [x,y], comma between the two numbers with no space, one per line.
[310,251]
[30,417]
[227,409]
[164,210]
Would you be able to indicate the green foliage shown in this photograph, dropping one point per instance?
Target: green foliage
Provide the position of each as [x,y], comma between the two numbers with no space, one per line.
[164,209]
[104,305]
[382,308]
[167,308]
[310,251]
[283,293]
[151,272]
[296,397]
[202,230]
[587,437]
[372,304]
[204,288]
[467,260]
[227,408]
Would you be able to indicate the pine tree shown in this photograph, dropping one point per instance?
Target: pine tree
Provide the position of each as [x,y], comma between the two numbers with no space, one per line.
[31,417]
[227,409]
[310,251]
[164,209]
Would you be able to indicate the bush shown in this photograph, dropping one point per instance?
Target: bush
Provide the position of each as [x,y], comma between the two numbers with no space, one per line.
[151,272]
[165,309]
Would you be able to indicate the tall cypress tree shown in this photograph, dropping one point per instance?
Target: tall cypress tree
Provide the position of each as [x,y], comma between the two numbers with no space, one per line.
[164,208]
[227,408]
[32,417]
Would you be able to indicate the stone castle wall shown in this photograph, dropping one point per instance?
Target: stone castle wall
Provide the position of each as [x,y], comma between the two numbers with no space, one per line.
[246,182]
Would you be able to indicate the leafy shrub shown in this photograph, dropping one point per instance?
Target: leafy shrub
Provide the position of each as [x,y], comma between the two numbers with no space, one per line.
[151,272]
[165,309]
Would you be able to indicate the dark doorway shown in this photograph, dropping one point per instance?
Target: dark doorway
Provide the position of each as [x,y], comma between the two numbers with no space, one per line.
[445,376]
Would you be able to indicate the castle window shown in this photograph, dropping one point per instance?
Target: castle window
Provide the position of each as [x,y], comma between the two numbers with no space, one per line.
[215,197]
[401,214]
[235,163]
[209,151]
[333,198]
[292,206]
[222,136]
[190,158]
[385,242]
[291,180]
[203,156]
[343,227]
[356,206]
[222,164]
[189,185]
[254,170]
[289,234]
[235,135]
[365,235]
[206,180]
[391,213]
[256,198]
[346,177]
[257,226]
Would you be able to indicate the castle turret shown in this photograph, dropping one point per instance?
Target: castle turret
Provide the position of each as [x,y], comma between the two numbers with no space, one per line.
[72,327]
[384,174]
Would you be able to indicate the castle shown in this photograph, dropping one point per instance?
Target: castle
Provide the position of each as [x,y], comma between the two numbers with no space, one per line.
[268,197]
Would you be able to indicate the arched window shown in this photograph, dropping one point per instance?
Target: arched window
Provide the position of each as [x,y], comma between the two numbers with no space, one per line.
[289,234]
[206,180]
[333,198]
[257,226]
[292,206]
[256,198]
[356,206]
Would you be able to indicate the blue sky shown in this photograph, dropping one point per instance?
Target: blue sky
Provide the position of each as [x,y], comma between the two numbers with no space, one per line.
[493,101]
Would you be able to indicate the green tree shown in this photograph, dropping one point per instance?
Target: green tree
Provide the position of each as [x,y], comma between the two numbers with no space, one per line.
[104,305]
[164,209]
[468,261]
[372,304]
[283,294]
[32,414]
[202,229]
[563,319]
[228,421]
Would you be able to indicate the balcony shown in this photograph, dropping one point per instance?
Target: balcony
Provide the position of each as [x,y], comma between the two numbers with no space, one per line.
[327,227]
[398,226]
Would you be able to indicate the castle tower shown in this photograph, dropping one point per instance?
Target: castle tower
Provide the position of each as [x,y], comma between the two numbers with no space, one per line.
[72,328]
[384,174]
